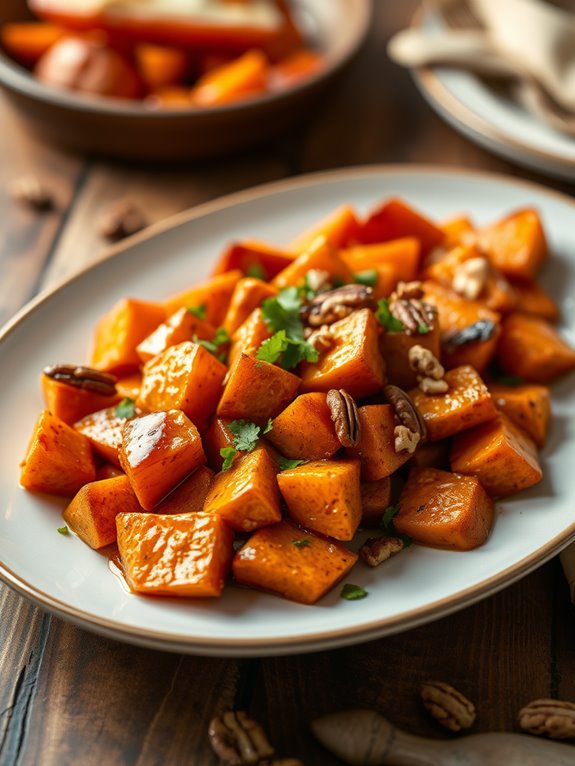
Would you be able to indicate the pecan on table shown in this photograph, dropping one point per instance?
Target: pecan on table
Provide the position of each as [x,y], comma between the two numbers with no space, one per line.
[553,718]
[345,416]
[414,314]
[83,377]
[239,740]
[330,306]
[448,706]
[120,220]
[406,411]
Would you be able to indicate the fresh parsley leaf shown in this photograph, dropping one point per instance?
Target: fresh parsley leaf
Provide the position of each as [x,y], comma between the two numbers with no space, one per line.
[126,408]
[388,527]
[282,313]
[246,434]
[386,318]
[510,380]
[198,311]
[302,542]
[288,352]
[221,338]
[285,464]
[256,271]
[353,592]
[368,277]
[228,454]
[423,328]
[63,530]
[268,427]
[272,348]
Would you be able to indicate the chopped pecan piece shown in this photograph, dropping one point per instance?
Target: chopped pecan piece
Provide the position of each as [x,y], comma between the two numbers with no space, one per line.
[345,416]
[376,550]
[83,377]
[471,277]
[423,362]
[239,740]
[328,307]
[321,339]
[406,411]
[432,386]
[405,439]
[416,316]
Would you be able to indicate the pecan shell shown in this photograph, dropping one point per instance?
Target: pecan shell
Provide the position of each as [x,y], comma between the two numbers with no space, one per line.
[83,377]
[328,307]
[345,416]
[554,718]
[239,740]
[406,411]
[478,332]
[414,314]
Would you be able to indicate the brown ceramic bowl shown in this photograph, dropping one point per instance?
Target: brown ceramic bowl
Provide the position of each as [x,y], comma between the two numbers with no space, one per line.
[130,130]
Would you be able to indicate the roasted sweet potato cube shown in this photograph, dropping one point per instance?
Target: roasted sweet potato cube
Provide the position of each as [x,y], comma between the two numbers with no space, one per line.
[59,459]
[516,245]
[184,377]
[108,471]
[533,300]
[246,495]
[247,296]
[531,348]
[455,231]
[305,430]
[375,498]
[215,439]
[93,510]
[27,41]
[339,228]
[376,448]
[158,451]
[248,337]
[181,555]
[161,66]
[529,407]
[213,294]
[320,256]
[104,431]
[466,404]
[431,455]
[402,254]
[324,495]
[181,326]
[256,390]
[292,563]
[396,219]
[444,509]
[353,361]
[395,347]
[128,386]
[119,332]
[254,259]
[70,403]
[243,76]
[502,456]
[190,495]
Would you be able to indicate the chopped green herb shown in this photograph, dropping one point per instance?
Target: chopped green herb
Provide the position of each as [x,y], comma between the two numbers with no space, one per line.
[353,592]
[423,328]
[256,271]
[386,318]
[337,282]
[368,277]
[63,530]
[126,408]
[510,380]
[288,352]
[269,426]
[246,434]
[221,338]
[388,528]
[198,311]
[228,454]
[302,543]
[272,348]
[282,313]
[285,464]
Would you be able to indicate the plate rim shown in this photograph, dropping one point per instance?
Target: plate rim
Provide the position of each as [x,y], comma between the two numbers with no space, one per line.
[243,647]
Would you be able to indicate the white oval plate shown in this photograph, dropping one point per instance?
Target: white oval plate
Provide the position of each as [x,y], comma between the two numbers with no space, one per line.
[492,120]
[64,576]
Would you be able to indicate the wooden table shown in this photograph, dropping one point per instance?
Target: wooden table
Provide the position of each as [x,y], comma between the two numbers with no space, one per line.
[71,697]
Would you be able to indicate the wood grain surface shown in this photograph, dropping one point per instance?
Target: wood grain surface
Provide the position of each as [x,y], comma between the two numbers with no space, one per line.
[68,697]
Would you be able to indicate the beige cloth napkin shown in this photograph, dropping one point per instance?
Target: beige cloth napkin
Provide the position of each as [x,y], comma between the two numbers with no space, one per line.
[531,43]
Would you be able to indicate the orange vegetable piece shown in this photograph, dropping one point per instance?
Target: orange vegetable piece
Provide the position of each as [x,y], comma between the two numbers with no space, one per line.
[256,390]
[128,386]
[502,456]
[190,495]
[516,245]
[93,510]
[395,219]
[248,295]
[376,448]
[180,555]
[532,299]
[375,498]
[301,65]
[214,294]
[403,254]
[466,404]
[292,563]
[58,460]
[216,438]
[532,349]
[169,97]
[181,326]
[324,496]
[160,66]
[243,77]
[444,509]
[431,455]
[27,41]
[353,361]
[319,255]
[184,377]
[103,429]
[339,228]
[455,231]
[305,430]
[119,332]
[158,451]
[70,403]
[246,495]
[395,347]
[254,258]
[108,471]
[248,337]
[529,407]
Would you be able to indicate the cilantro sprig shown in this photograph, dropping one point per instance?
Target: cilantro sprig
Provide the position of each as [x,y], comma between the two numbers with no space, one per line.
[287,345]
[126,408]
[256,271]
[387,525]
[303,542]
[63,530]
[221,338]
[245,438]
[289,352]
[285,463]
[198,311]
[369,277]
[386,318]
[352,592]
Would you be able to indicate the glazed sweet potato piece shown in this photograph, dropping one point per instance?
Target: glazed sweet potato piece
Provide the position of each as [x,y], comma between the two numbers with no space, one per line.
[128,386]
[376,448]
[246,495]
[375,498]
[466,404]
[184,377]
[58,460]
[242,77]
[70,403]
[339,228]
[531,348]
[179,327]
[215,439]
[532,299]
[214,295]
[320,255]
[160,66]
[181,555]
[248,337]
[158,451]
[402,254]
[104,431]
[444,509]
[293,563]
[324,495]
[396,219]
[353,361]
[395,347]
[27,41]
[431,455]
[256,390]
[305,430]
[248,295]
[516,245]
[119,332]
[254,259]
[455,231]
[93,510]
[529,407]
[502,456]
[190,495]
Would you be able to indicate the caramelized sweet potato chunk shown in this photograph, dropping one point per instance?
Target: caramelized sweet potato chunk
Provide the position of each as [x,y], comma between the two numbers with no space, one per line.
[455,230]
[529,407]
[532,299]
[444,509]
[292,563]
[376,448]
[532,349]
[27,41]
[305,430]
[190,495]
[254,258]
[215,439]
[402,254]
[375,498]
[516,245]
[214,295]
[320,255]
[395,347]
[339,228]
[248,337]
[396,219]
[248,295]
[179,327]
[70,403]
[104,431]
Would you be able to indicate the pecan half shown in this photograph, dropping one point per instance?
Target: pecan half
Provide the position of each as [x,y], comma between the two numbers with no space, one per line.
[448,706]
[239,740]
[406,411]
[345,416]
[554,718]
[330,306]
[408,290]
[376,550]
[120,220]
[478,332]
[415,315]
[83,377]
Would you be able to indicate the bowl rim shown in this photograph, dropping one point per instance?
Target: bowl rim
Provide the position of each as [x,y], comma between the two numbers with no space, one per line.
[17,79]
